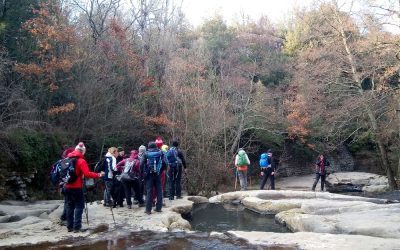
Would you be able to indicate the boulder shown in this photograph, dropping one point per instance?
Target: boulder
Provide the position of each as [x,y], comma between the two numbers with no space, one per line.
[356,182]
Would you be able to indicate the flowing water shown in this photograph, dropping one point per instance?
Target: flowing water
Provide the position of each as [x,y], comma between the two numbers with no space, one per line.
[150,240]
[209,217]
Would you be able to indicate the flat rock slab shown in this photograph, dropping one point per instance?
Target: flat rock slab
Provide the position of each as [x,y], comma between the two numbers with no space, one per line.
[33,223]
[317,241]
[320,212]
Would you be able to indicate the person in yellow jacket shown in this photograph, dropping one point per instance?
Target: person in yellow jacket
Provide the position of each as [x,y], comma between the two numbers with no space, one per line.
[242,162]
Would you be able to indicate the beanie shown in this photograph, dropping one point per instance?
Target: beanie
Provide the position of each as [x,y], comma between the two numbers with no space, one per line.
[120,149]
[152,145]
[81,147]
[159,142]
[142,149]
[175,144]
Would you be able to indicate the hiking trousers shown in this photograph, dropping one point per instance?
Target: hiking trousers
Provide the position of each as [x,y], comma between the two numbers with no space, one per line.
[135,185]
[268,174]
[242,179]
[174,177]
[317,176]
[108,192]
[153,180]
[75,204]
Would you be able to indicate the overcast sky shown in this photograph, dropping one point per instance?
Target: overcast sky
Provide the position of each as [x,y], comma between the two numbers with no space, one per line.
[276,10]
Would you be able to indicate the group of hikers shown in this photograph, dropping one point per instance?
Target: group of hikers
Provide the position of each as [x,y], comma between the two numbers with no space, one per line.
[144,171]
[268,169]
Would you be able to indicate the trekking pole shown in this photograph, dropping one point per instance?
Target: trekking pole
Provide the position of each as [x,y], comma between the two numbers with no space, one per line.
[236,178]
[112,213]
[85,197]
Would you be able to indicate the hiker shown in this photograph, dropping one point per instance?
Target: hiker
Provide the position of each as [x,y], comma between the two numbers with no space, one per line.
[176,161]
[142,151]
[150,166]
[110,166]
[165,188]
[118,188]
[74,191]
[121,154]
[130,178]
[267,169]
[320,171]
[159,143]
[241,163]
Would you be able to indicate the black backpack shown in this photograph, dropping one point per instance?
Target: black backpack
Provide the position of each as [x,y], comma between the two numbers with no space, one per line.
[67,170]
[100,166]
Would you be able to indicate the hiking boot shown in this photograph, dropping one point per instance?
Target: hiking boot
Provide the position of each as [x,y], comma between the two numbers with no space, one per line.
[129,206]
[147,212]
[179,197]
[158,210]
[70,229]
[135,202]
[80,230]
[141,204]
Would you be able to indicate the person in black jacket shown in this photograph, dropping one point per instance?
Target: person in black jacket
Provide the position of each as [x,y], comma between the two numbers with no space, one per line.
[151,166]
[175,171]
[320,171]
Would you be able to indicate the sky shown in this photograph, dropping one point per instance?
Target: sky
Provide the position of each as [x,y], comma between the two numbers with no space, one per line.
[276,10]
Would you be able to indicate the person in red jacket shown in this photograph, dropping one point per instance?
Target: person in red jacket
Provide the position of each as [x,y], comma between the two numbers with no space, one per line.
[74,192]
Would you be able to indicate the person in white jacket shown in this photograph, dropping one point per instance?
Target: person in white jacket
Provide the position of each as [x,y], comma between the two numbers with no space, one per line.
[242,162]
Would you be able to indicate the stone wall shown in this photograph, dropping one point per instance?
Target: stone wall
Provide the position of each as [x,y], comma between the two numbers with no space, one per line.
[15,186]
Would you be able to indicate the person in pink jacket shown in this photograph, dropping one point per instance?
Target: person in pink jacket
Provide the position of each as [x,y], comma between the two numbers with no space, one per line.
[73,191]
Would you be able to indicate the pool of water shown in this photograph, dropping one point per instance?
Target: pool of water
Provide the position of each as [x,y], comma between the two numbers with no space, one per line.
[151,240]
[209,217]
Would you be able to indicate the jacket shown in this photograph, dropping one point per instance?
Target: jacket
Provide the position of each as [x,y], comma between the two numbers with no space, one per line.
[81,169]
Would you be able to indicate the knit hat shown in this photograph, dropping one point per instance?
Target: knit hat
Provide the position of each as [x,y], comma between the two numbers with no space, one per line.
[81,147]
[120,149]
[159,142]
[142,149]
[164,148]
[175,144]
[66,152]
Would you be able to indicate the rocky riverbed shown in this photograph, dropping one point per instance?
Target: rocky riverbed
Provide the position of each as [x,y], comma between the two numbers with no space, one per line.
[318,219]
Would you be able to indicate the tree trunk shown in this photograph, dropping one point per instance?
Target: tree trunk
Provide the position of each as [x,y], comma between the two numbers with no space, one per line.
[371,116]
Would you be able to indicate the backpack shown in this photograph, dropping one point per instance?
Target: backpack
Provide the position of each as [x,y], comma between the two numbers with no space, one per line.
[154,162]
[67,170]
[172,156]
[100,165]
[264,161]
[129,173]
[242,161]
[54,174]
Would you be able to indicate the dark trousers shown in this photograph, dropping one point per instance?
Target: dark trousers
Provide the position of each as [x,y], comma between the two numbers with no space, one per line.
[75,204]
[268,173]
[109,192]
[317,176]
[118,193]
[174,177]
[153,180]
[128,186]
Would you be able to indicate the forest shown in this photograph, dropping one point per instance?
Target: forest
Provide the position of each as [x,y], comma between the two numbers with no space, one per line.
[121,73]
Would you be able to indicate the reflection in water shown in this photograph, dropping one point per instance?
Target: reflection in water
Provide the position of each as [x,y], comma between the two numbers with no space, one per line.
[151,240]
[216,217]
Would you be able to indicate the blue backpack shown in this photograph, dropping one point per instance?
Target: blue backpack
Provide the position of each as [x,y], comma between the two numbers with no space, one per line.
[172,157]
[264,160]
[63,172]
[154,162]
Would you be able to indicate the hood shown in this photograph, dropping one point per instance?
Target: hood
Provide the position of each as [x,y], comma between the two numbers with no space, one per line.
[76,154]
[134,154]
[67,152]
[264,155]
